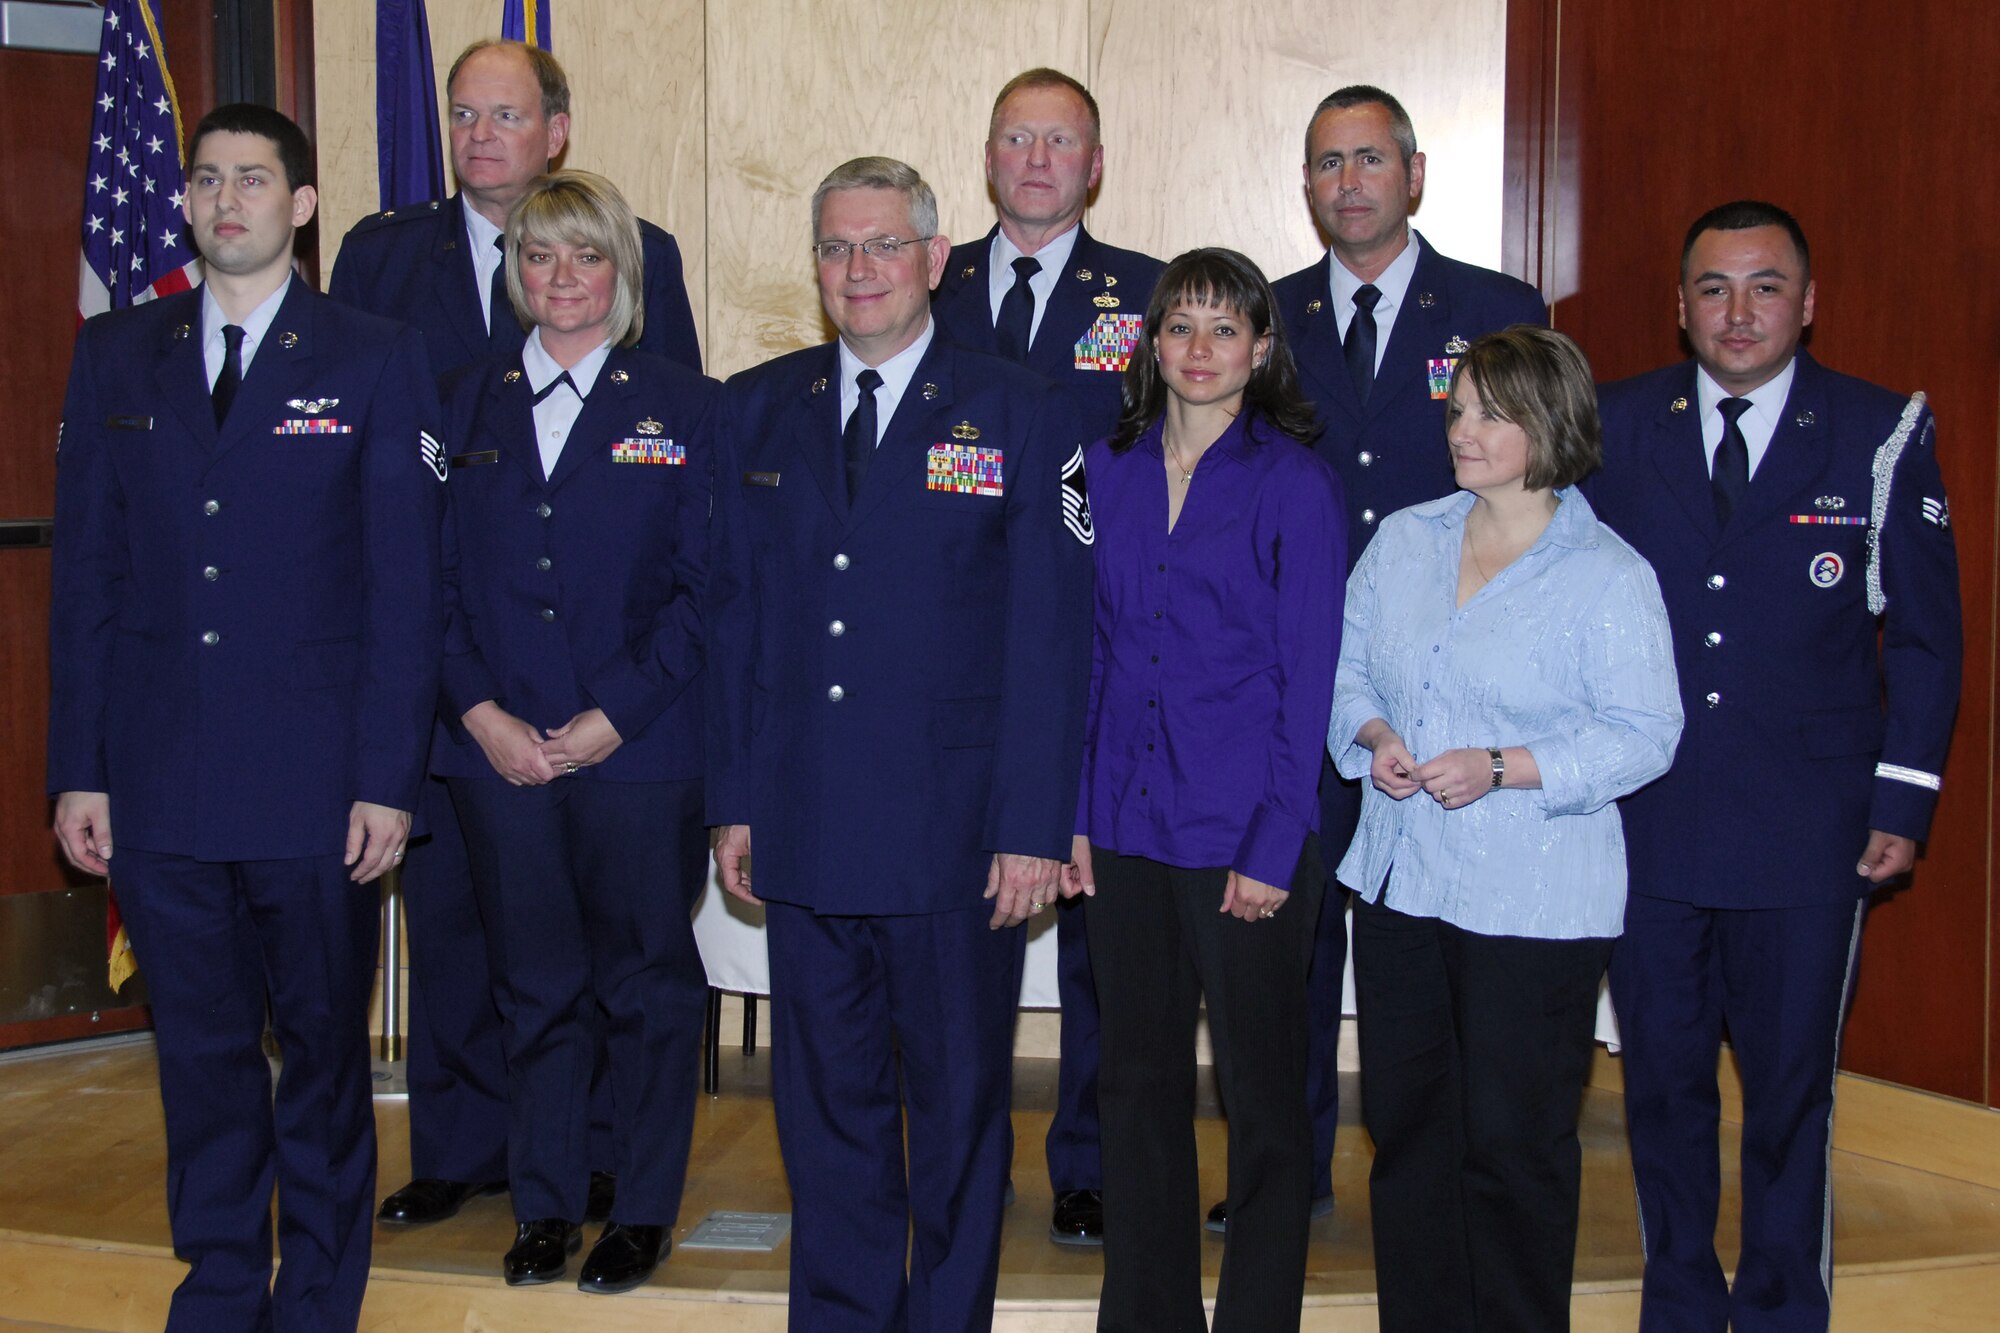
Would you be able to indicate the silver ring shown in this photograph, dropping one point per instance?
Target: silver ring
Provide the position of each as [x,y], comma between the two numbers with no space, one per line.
[568,769]
[1034,906]
[399,856]
[1268,912]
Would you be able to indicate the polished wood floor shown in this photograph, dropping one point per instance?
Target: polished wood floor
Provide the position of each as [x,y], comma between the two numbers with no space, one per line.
[83,1235]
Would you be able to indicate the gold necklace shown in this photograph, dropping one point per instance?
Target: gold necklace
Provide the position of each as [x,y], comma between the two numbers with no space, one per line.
[1174,456]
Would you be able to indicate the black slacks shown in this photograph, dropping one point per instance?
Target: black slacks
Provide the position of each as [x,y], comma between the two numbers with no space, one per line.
[1158,943]
[1474,1052]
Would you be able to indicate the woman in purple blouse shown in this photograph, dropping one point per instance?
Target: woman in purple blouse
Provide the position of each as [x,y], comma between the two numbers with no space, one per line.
[1219,548]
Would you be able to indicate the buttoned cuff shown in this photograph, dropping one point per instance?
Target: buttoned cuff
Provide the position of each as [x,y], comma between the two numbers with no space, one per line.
[1269,851]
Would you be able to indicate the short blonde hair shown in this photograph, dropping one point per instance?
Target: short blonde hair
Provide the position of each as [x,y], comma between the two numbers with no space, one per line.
[582,208]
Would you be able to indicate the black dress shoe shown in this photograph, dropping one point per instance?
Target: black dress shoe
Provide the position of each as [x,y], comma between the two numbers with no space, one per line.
[429,1200]
[1078,1218]
[603,1193]
[541,1251]
[623,1258]
[1218,1216]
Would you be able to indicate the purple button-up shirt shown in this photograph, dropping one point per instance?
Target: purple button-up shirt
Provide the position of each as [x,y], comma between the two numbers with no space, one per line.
[1212,660]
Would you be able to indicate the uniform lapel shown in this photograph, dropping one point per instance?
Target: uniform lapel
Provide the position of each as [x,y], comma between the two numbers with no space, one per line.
[1315,333]
[1071,310]
[509,414]
[901,457]
[1678,455]
[964,307]
[607,415]
[1795,458]
[813,423]
[1420,331]
[455,284]
[181,372]
[281,369]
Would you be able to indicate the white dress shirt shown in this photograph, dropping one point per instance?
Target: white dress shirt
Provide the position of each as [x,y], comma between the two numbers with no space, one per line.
[1053,257]
[487,256]
[255,325]
[1758,423]
[557,413]
[896,374]
[1394,284]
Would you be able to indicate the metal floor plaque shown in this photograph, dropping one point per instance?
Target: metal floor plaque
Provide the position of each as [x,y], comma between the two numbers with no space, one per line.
[739,1231]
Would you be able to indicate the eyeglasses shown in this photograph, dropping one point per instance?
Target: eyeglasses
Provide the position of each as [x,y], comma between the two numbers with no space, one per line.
[879,248]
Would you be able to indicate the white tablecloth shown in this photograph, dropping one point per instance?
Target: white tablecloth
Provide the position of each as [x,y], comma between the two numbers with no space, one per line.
[731,935]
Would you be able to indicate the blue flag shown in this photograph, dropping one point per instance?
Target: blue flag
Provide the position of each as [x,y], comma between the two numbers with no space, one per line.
[409,157]
[527,21]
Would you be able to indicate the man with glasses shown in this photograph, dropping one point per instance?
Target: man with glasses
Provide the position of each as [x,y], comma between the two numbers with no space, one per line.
[899,618]
[1040,290]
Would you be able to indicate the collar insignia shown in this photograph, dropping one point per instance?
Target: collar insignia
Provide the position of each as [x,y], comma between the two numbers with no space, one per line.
[965,430]
[620,377]
[930,392]
[1083,275]
[1678,405]
[312,407]
[968,271]
[180,332]
[1805,418]
[1426,300]
[649,427]
[819,385]
[511,376]
[1312,307]
[288,340]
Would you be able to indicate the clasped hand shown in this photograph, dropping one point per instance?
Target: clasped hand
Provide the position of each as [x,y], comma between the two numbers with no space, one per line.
[525,757]
[1454,779]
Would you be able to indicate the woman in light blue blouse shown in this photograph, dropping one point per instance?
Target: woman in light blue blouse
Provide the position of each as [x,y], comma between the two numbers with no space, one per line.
[1505,676]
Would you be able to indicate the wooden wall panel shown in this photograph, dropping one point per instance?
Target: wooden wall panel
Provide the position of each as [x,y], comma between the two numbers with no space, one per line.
[637,107]
[1206,110]
[1872,131]
[796,88]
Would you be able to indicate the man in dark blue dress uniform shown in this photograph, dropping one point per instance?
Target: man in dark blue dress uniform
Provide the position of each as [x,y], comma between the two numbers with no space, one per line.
[1040,290]
[1798,524]
[438,267]
[1376,327]
[245,642]
[899,630]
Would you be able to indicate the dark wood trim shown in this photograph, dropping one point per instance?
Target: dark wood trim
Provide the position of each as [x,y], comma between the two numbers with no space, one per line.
[74,1027]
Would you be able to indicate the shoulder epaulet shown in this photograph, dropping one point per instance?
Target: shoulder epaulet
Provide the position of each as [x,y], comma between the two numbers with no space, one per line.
[389,217]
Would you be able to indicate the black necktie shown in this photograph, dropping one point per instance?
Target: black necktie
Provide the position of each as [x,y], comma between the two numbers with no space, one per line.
[857,442]
[500,321]
[231,378]
[1731,476]
[1359,346]
[551,386]
[1017,312]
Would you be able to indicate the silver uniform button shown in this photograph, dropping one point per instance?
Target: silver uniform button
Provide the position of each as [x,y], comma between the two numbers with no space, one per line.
[1712,638]
[548,613]
[836,694]
[211,573]
[543,563]
[212,507]
[841,561]
[1364,458]
[1713,699]
[1367,516]
[1716,580]
[837,628]
[543,511]
[211,637]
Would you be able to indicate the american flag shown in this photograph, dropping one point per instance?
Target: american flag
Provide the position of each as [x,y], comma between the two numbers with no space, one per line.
[133,246]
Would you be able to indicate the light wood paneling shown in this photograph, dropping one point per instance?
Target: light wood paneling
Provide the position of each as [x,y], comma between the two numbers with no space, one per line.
[637,108]
[1206,109]
[797,87]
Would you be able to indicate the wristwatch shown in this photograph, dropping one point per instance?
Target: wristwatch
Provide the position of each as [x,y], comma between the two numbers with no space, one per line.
[1499,766]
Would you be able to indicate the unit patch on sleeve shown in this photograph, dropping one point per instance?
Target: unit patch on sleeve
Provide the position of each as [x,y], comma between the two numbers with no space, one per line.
[964,469]
[1108,344]
[1076,500]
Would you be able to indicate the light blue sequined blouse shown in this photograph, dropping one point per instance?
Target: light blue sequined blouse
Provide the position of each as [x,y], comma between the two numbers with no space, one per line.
[1565,652]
